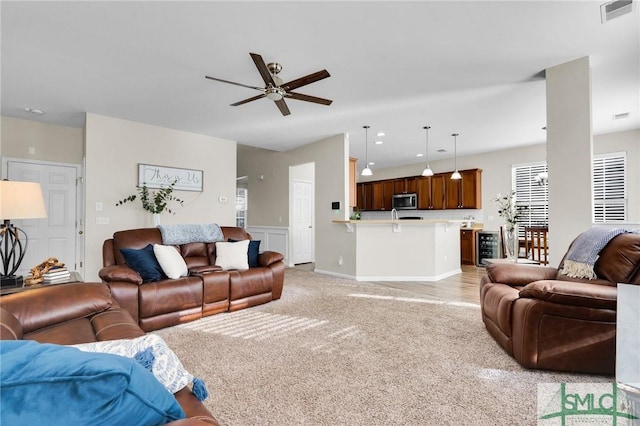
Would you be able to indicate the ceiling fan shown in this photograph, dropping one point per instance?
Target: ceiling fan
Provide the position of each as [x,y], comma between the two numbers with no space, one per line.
[275,89]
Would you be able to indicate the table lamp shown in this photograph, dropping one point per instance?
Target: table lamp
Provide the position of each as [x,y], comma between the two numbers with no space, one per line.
[18,200]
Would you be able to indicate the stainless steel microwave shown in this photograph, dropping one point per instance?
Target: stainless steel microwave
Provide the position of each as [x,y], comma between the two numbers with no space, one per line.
[405,201]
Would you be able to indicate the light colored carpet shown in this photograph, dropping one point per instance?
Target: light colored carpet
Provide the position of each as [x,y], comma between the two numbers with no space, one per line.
[339,352]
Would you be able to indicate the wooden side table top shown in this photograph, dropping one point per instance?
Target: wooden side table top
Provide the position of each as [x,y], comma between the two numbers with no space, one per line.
[74,278]
[520,260]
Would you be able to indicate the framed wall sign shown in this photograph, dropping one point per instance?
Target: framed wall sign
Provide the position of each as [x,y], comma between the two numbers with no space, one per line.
[161,176]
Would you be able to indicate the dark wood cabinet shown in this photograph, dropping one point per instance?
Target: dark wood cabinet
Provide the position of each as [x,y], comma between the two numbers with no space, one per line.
[437,192]
[465,193]
[468,246]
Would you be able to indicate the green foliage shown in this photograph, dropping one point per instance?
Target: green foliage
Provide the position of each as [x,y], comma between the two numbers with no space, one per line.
[154,201]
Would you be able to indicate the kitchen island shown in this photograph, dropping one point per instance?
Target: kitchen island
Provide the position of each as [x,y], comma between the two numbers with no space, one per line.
[404,250]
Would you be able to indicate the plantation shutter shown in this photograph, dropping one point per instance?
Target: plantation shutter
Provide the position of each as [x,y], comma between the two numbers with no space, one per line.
[531,195]
[610,188]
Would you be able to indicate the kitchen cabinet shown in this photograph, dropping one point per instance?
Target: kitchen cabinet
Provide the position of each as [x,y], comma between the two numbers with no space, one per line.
[437,192]
[353,191]
[431,192]
[365,196]
[465,193]
[382,195]
[404,185]
[468,246]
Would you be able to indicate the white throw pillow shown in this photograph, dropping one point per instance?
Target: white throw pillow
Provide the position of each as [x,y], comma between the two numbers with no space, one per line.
[172,264]
[232,255]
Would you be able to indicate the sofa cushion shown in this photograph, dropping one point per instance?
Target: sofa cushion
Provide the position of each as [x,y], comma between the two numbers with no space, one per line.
[42,382]
[232,255]
[171,262]
[144,262]
[252,253]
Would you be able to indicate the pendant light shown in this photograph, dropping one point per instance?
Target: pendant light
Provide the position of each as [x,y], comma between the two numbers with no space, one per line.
[427,171]
[366,171]
[456,173]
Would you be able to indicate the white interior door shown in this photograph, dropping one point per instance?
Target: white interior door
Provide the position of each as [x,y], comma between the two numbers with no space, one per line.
[55,236]
[302,229]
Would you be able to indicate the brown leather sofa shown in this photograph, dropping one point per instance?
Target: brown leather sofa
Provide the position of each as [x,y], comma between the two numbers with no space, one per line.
[207,290]
[547,320]
[80,313]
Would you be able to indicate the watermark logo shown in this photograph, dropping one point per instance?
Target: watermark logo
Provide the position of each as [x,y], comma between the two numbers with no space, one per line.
[586,404]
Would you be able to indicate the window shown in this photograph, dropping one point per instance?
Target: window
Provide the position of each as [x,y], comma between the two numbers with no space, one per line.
[241,207]
[610,188]
[531,194]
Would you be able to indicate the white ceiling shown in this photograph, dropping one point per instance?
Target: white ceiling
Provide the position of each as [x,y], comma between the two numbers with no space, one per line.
[475,68]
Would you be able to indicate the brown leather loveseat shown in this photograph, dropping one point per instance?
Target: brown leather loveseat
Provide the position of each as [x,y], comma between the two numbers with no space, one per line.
[547,320]
[76,313]
[207,290]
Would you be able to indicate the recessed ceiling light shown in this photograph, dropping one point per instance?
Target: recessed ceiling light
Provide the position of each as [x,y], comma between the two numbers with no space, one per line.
[419,155]
[379,142]
[371,163]
[34,111]
[380,134]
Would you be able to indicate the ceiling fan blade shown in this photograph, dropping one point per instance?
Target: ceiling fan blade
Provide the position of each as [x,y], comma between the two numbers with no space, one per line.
[255,98]
[307,79]
[237,84]
[262,68]
[282,106]
[301,97]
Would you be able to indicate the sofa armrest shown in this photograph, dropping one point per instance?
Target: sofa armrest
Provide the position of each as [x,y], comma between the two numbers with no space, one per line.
[119,273]
[514,274]
[570,293]
[206,269]
[267,258]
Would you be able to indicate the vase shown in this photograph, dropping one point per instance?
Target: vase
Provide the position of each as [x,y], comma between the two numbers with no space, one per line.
[510,242]
[156,219]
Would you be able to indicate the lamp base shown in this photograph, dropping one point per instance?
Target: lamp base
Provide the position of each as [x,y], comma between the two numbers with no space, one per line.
[11,281]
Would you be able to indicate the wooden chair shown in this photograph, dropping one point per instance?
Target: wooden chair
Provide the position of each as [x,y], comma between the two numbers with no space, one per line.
[536,243]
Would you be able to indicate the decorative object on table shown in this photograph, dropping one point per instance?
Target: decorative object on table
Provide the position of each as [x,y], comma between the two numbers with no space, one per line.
[18,200]
[356,215]
[509,211]
[46,271]
[155,202]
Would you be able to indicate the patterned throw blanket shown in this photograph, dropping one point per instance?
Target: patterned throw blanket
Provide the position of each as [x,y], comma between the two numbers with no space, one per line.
[173,235]
[585,251]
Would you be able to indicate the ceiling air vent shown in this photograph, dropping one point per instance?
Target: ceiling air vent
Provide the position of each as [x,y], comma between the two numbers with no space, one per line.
[613,9]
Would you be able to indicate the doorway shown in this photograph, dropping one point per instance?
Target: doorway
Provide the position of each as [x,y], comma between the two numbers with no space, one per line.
[60,234]
[302,213]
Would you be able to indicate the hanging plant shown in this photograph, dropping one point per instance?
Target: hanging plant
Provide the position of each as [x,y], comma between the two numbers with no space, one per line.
[155,201]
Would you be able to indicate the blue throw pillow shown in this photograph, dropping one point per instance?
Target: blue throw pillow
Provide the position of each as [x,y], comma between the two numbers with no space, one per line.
[45,384]
[144,262]
[252,253]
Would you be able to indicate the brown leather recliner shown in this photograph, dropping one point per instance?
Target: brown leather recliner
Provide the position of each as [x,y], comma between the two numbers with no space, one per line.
[547,320]
[75,313]
[207,290]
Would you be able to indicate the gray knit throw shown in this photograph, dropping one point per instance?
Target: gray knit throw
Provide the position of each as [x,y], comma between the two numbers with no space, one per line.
[196,233]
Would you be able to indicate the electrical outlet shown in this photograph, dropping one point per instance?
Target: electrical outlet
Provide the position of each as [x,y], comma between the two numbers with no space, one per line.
[340,261]
[222,199]
[102,220]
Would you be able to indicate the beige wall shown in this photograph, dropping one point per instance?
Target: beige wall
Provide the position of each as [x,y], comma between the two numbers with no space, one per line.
[48,142]
[269,197]
[113,150]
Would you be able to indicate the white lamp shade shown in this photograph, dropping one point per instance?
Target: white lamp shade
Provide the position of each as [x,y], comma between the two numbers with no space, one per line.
[367,171]
[427,172]
[21,200]
[456,175]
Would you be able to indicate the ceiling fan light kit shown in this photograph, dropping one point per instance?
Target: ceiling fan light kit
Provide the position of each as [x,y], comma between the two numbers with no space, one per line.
[275,89]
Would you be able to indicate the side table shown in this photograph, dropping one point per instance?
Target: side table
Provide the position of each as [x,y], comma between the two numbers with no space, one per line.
[74,278]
